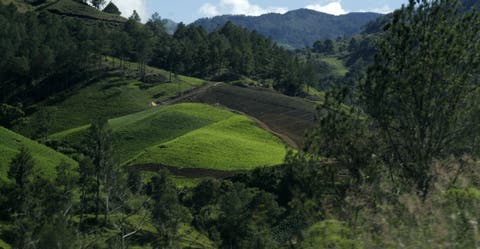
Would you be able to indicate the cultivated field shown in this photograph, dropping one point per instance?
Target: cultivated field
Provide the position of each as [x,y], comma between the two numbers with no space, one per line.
[189,136]
[289,117]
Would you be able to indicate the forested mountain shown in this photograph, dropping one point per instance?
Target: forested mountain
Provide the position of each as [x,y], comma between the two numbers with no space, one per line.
[298,28]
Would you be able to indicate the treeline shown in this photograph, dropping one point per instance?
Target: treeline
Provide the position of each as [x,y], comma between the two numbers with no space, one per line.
[39,48]
[42,49]
[229,53]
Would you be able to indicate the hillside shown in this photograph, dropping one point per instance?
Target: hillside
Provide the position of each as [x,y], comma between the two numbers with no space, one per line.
[45,158]
[67,8]
[189,136]
[298,28]
[72,8]
[289,117]
[110,96]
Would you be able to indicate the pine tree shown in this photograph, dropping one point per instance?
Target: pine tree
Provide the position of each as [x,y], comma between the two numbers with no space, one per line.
[421,90]
[112,9]
[21,168]
[135,16]
[99,148]
[98,3]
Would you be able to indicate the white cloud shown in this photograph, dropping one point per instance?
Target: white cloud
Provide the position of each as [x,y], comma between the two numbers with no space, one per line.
[333,8]
[208,10]
[128,6]
[237,7]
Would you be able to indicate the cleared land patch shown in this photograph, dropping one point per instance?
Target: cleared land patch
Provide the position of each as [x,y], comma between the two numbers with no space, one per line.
[235,143]
[338,69]
[190,136]
[285,115]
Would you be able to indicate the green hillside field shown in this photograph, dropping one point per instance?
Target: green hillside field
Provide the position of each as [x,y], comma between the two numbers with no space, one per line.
[338,69]
[189,135]
[45,158]
[110,97]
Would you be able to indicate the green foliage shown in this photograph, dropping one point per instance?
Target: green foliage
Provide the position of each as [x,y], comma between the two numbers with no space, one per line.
[45,158]
[77,8]
[298,28]
[337,67]
[190,135]
[57,234]
[213,147]
[343,135]
[421,91]
[329,234]
[325,47]
[10,115]
[97,3]
[167,212]
[112,9]
[21,168]
[135,17]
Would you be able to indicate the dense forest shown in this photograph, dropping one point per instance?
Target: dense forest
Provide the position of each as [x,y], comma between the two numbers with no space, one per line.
[297,28]
[392,161]
[40,49]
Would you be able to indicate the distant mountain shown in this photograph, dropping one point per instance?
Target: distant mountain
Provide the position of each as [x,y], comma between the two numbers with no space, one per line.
[298,28]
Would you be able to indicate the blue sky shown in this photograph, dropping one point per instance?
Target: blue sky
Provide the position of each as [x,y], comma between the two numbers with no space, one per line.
[188,11]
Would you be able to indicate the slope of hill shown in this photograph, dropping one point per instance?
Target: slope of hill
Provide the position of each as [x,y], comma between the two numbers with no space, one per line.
[46,159]
[111,96]
[190,136]
[75,9]
[67,8]
[298,28]
[289,117]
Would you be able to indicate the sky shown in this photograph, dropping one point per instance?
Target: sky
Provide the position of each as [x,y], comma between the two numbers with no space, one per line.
[187,11]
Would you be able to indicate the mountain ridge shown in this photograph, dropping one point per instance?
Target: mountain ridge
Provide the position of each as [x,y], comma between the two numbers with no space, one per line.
[297,28]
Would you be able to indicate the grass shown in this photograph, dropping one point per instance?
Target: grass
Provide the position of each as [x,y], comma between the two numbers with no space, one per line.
[110,97]
[337,66]
[287,116]
[235,143]
[191,238]
[4,245]
[45,158]
[189,135]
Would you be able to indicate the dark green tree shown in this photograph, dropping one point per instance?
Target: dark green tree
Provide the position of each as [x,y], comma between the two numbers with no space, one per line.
[112,9]
[99,148]
[97,3]
[135,17]
[167,211]
[87,188]
[21,169]
[421,91]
